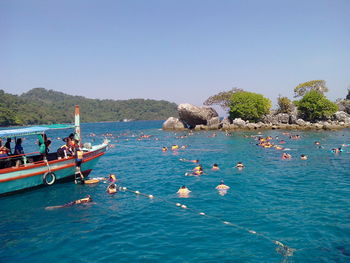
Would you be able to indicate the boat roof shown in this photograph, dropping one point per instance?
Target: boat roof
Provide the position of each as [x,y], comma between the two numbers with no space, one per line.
[32,130]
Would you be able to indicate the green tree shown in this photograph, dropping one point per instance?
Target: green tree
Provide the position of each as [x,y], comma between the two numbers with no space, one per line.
[249,106]
[303,88]
[222,99]
[285,105]
[315,106]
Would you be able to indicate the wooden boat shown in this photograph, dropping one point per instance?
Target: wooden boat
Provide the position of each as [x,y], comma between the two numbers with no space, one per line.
[31,170]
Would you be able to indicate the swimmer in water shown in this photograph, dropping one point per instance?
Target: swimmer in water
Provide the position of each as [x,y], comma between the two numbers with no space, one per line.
[286,156]
[164,149]
[111,189]
[87,199]
[190,161]
[303,157]
[183,191]
[112,178]
[239,165]
[222,186]
[215,167]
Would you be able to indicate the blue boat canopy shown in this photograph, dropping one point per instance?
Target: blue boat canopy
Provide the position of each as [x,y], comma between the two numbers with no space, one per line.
[32,130]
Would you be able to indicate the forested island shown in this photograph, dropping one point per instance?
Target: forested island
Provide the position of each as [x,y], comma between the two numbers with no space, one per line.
[42,106]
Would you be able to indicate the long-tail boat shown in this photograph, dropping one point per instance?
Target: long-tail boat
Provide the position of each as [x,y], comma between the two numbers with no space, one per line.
[31,170]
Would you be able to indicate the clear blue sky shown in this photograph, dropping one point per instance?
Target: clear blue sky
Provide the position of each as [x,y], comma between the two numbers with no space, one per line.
[180,50]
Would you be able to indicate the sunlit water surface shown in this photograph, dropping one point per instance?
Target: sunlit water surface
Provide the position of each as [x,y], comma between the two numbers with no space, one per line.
[303,204]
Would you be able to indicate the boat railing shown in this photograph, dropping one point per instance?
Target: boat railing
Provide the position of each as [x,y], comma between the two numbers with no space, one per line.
[20,160]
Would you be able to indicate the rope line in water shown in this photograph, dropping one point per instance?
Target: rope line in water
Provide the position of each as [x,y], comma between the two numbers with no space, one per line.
[187,149]
[281,248]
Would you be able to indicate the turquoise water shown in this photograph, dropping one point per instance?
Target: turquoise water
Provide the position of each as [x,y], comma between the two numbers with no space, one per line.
[303,204]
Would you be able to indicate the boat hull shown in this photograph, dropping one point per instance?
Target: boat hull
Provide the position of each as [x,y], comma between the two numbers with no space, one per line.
[32,176]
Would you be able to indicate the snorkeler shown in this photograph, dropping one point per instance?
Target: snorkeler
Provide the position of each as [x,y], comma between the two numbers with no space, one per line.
[286,156]
[190,161]
[111,189]
[87,199]
[239,165]
[222,186]
[112,178]
[303,157]
[215,167]
[183,191]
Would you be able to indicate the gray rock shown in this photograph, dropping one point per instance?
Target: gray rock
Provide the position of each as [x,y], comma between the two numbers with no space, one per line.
[282,118]
[192,115]
[342,116]
[239,122]
[213,121]
[300,122]
[226,121]
[173,124]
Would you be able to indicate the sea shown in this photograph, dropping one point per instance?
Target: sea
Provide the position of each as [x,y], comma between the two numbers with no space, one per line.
[275,210]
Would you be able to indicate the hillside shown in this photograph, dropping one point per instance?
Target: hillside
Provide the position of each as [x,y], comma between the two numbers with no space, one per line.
[42,106]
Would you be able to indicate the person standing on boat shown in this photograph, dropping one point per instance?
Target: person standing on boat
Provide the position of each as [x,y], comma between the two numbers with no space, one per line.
[44,144]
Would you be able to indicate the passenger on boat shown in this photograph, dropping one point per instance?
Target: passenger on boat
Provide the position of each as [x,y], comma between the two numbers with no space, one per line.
[8,145]
[18,147]
[44,144]
[69,140]
[78,160]
[64,151]
[112,189]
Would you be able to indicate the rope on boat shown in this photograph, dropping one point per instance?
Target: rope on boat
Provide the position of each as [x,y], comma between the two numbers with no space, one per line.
[281,248]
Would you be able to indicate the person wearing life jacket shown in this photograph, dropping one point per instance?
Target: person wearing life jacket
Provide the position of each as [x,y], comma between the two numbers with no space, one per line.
[112,189]
[175,147]
[164,149]
[222,186]
[85,200]
[4,152]
[78,161]
[183,191]
[112,178]
[64,151]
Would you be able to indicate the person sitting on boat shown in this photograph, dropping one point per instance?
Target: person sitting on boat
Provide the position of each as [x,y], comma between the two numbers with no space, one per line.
[18,147]
[3,151]
[112,189]
[64,151]
[8,145]
[85,200]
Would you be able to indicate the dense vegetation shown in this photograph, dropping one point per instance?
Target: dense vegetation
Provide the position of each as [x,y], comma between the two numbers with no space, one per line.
[41,106]
[315,106]
[248,106]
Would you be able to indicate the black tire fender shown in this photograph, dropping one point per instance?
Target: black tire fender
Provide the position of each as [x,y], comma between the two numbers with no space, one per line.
[49,178]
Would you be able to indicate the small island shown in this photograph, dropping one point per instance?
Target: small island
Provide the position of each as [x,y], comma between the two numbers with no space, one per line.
[252,111]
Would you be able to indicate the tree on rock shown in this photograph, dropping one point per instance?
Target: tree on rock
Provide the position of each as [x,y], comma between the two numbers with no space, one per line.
[249,106]
[303,88]
[222,99]
[315,106]
[285,105]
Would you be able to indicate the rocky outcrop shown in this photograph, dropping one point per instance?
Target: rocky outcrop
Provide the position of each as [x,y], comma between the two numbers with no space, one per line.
[342,116]
[206,118]
[192,115]
[173,124]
